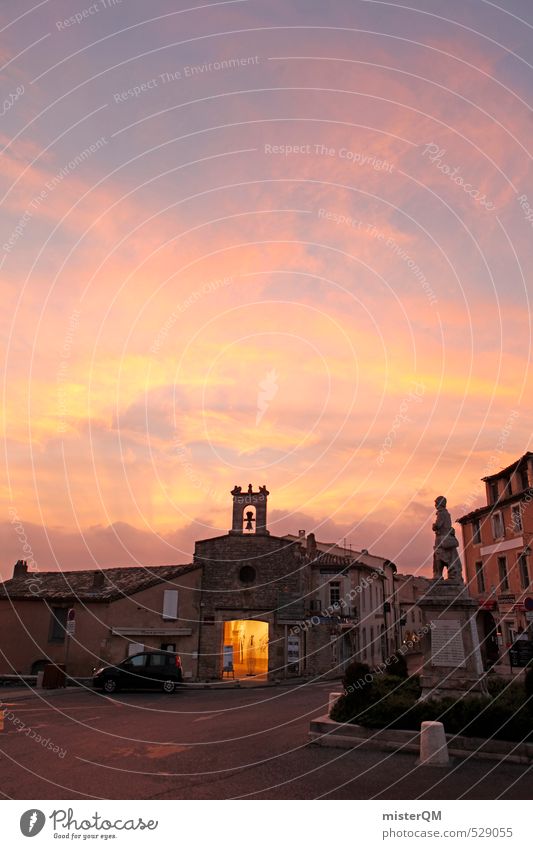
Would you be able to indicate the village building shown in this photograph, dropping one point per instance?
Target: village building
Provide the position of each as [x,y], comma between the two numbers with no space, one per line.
[357,588]
[497,541]
[251,605]
[283,606]
[117,612]
[408,590]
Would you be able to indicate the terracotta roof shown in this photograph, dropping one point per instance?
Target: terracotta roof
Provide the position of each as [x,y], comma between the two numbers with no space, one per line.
[81,585]
[362,558]
[490,508]
[511,468]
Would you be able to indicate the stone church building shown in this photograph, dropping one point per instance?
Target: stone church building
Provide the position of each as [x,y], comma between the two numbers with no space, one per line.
[264,611]
[250,605]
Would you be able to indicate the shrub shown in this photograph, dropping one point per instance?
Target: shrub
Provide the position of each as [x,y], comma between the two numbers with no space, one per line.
[355,676]
[363,703]
[505,716]
[357,682]
[495,684]
[398,665]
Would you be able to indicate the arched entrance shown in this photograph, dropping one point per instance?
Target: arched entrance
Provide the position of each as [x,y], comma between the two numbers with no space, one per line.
[245,647]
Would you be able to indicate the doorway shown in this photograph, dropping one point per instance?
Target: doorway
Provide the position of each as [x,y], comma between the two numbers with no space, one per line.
[245,648]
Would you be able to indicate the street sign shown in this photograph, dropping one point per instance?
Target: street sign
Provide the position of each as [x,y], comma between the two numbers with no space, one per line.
[528,603]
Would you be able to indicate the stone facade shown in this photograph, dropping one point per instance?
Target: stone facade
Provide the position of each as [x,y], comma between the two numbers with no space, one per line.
[250,577]
[498,541]
[117,611]
[321,606]
[452,658]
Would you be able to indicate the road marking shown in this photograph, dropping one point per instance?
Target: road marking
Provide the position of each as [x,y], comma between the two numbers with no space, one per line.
[205,718]
[62,711]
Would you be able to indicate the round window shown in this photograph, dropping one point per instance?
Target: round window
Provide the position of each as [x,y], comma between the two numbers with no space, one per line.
[247,575]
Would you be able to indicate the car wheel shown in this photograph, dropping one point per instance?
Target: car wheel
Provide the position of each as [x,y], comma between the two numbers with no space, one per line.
[110,686]
[169,686]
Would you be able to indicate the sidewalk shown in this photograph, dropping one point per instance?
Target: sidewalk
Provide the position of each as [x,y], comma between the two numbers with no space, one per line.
[15,694]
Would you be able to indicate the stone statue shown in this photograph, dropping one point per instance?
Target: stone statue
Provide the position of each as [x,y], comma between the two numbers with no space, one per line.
[445,552]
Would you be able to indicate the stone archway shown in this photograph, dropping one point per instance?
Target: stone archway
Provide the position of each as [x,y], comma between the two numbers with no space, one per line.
[245,646]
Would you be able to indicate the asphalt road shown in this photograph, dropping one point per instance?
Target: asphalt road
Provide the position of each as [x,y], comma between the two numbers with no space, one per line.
[208,744]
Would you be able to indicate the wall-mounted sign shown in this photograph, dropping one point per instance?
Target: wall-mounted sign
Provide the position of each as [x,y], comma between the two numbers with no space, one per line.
[227,662]
[293,649]
[71,622]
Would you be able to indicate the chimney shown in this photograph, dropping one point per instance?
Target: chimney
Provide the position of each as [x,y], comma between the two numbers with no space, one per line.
[301,533]
[98,580]
[21,568]
[311,546]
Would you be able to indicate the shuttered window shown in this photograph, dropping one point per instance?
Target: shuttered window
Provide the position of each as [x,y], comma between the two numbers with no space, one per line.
[170,604]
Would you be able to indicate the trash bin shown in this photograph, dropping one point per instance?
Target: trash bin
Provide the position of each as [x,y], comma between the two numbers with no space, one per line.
[54,676]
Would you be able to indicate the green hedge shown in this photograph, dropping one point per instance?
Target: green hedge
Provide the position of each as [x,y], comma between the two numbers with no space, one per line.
[389,701]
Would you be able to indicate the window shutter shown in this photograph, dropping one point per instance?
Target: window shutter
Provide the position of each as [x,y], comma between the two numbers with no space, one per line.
[170,604]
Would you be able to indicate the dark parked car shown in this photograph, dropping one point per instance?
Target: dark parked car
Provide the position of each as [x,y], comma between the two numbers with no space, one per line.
[148,670]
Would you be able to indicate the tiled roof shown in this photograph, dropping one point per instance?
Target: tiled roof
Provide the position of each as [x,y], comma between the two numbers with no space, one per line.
[82,585]
[508,469]
[501,502]
[361,558]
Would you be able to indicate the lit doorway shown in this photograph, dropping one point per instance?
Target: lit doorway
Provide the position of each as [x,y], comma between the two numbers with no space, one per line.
[245,650]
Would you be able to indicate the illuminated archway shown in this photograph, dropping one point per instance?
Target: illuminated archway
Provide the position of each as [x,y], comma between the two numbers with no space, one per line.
[246,647]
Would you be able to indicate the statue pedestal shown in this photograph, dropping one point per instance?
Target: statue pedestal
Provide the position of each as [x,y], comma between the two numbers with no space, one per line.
[452,658]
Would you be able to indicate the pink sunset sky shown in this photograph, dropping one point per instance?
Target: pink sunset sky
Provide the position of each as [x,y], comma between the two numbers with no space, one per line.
[285,243]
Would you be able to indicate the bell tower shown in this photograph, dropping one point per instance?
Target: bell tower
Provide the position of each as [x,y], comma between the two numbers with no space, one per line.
[249,511]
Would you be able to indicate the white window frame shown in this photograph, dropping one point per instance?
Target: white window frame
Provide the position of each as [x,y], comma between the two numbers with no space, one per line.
[170,604]
[501,583]
[497,515]
[479,568]
[334,589]
[516,510]
[522,561]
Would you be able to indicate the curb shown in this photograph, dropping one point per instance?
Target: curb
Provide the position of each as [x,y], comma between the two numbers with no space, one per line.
[323,731]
